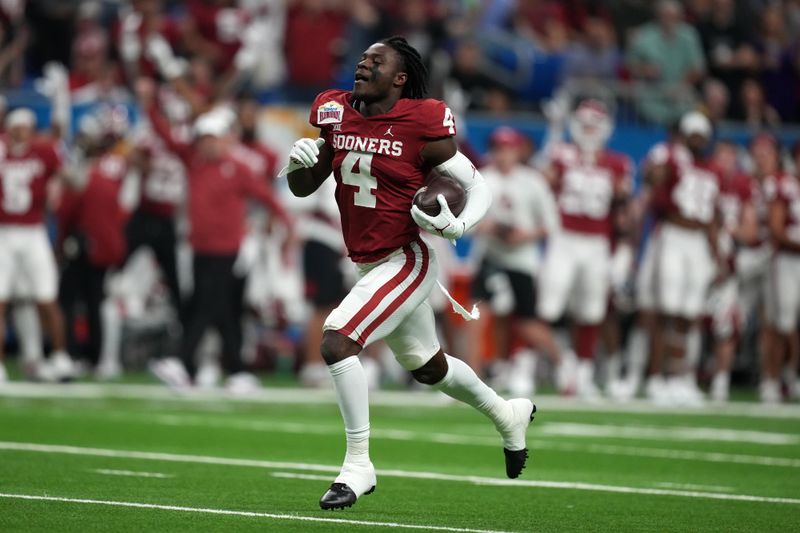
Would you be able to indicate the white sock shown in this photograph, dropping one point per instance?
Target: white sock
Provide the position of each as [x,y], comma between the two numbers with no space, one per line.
[464,385]
[350,383]
[29,332]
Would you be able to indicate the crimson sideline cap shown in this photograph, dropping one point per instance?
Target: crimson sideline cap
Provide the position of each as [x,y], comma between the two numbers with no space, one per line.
[506,136]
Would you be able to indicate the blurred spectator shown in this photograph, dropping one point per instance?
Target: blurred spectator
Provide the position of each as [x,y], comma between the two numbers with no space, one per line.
[595,55]
[544,22]
[780,60]
[218,188]
[52,31]
[667,78]
[91,224]
[214,29]
[92,77]
[13,40]
[726,43]
[470,73]
[134,33]
[716,100]
[314,32]
[757,113]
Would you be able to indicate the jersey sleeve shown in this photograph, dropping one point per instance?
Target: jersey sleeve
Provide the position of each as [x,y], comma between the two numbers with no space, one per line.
[327,110]
[51,157]
[436,120]
[623,175]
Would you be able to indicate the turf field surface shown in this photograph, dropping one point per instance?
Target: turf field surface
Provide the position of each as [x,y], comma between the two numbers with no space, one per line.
[89,457]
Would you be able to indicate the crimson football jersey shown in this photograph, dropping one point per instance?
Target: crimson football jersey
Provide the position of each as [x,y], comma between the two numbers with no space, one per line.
[24,175]
[691,188]
[585,189]
[96,211]
[378,167]
[735,193]
[785,188]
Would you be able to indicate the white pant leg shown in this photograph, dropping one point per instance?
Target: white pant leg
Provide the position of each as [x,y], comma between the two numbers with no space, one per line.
[593,280]
[556,278]
[385,294]
[8,262]
[415,341]
[783,292]
[36,263]
[684,271]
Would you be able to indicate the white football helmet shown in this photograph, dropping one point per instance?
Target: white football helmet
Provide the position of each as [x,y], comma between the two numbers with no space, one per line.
[591,125]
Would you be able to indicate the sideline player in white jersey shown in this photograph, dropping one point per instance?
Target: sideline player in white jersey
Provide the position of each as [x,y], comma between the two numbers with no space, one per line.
[592,186]
[525,214]
[380,140]
[782,192]
[686,191]
[27,167]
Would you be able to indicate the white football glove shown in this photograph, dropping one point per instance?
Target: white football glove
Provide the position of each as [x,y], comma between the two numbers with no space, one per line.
[445,224]
[304,153]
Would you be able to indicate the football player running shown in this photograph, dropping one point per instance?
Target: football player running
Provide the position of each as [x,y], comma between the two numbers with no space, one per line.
[380,140]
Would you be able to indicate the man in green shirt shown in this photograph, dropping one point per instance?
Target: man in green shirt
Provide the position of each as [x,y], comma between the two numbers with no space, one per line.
[666,57]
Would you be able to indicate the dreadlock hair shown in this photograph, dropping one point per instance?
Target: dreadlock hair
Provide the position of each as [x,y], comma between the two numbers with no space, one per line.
[417,85]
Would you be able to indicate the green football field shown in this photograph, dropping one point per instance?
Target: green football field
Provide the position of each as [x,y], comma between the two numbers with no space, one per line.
[89,457]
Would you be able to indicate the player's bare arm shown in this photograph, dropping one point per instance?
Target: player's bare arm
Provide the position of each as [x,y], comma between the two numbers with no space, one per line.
[310,164]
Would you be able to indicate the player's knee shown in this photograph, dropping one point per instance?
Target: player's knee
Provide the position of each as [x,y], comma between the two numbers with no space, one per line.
[335,347]
[433,371]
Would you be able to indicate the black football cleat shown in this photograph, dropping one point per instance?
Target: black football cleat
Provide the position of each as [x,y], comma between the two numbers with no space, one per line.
[515,459]
[340,496]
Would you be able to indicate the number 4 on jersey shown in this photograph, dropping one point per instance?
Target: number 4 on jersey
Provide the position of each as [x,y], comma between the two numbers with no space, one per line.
[357,171]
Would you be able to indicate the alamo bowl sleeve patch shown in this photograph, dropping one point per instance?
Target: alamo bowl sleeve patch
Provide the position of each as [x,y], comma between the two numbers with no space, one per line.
[330,113]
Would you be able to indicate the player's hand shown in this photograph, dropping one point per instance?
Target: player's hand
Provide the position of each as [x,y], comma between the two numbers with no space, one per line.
[445,224]
[305,153]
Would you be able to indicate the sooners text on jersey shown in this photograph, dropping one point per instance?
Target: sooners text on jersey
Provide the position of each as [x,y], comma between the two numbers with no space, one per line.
[378,167]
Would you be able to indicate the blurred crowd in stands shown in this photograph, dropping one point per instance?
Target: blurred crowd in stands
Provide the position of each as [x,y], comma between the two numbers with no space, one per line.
[158,255]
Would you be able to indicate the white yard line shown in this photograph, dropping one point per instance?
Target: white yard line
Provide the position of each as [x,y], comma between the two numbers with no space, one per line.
[308,477]
[667,433]
[692,486]
[405,474]
[380,398]
[130,473]
[193,420]
[251,514]
[662,434]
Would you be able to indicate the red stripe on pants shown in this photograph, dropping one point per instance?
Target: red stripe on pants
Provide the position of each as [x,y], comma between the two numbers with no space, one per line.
[380,294]
[392,307]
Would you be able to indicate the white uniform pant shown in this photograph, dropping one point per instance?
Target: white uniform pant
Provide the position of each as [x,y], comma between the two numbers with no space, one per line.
[389,302]
[27,264]
[783,291]
[575,275]
[684,271]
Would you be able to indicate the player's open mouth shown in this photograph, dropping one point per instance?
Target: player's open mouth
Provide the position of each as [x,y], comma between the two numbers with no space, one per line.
[361,77]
